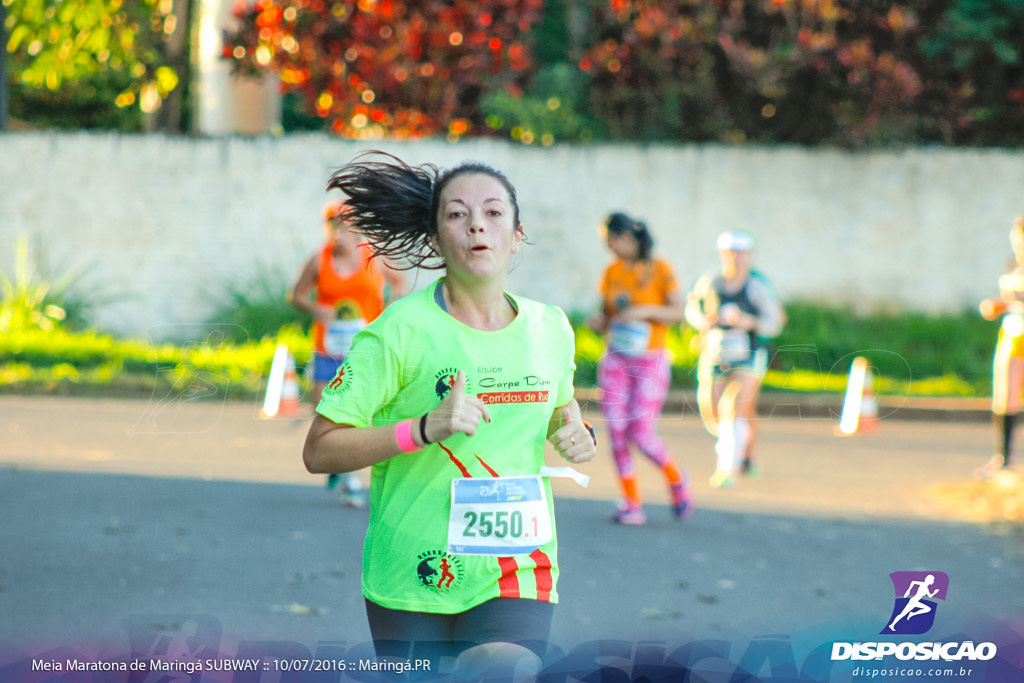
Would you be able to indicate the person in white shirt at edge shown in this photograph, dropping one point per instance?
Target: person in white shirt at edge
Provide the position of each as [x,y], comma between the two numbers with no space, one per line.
[1008,360]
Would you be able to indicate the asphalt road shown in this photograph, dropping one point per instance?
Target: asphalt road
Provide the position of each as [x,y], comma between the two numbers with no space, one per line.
[125,524]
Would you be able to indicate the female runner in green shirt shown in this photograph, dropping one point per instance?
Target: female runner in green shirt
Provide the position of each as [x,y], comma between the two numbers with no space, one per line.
[450,396]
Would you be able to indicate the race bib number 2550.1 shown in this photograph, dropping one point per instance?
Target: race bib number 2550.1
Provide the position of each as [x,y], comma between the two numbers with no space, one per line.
[500,516]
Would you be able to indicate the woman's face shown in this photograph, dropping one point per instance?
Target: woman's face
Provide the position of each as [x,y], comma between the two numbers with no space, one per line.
[476,231]
[340,233]
[624,245]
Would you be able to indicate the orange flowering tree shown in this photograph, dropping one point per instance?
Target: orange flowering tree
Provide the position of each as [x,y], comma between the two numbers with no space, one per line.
[371,68]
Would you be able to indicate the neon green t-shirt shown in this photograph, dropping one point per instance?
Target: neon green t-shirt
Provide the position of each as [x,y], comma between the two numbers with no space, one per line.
[400,367]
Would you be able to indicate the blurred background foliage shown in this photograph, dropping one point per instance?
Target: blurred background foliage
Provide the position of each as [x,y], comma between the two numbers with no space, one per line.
[809,72]
[41,295]
[255,308]
[47,343]
[105,64]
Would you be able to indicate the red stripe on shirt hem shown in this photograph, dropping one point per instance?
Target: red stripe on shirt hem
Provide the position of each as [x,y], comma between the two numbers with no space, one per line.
[508,582]
[542,574]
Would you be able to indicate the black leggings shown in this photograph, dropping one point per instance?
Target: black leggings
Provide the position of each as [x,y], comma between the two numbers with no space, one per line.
[500,620]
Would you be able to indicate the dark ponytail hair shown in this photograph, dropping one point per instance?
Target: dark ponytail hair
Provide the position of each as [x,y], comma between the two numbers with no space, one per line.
[619,223]
[395,205]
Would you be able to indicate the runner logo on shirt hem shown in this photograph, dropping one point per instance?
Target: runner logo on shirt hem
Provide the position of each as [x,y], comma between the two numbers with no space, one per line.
[440,572]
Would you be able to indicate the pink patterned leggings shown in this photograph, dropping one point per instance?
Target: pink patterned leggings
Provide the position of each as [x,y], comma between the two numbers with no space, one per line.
[634,389]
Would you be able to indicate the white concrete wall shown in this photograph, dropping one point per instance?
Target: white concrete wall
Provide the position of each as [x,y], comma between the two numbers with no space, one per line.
[164,222]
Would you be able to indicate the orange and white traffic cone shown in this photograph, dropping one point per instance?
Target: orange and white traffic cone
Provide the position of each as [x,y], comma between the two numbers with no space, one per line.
[283,395]
[868,423]
[860,409]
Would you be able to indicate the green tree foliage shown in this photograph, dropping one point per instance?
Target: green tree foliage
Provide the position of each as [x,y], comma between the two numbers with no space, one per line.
[809,71]
[101,62]
[552,109]
[553,106]
[846,72]
[977,61]
[767,70]
[55,42]
[653,70]
[384,67]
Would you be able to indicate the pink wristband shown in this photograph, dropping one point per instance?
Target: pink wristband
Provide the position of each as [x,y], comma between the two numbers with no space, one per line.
[403,435]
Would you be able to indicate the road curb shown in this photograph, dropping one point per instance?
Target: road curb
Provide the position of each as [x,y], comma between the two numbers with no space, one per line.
[786,404]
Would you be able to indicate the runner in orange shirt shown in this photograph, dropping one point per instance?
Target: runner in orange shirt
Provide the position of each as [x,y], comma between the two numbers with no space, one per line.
[343,288]
[640,299]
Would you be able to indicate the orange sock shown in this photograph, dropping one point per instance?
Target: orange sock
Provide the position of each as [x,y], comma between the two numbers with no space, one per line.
[631,489]
[672,473]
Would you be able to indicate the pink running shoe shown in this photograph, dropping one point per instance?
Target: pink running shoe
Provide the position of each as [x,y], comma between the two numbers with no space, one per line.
[629,515]
[682,506]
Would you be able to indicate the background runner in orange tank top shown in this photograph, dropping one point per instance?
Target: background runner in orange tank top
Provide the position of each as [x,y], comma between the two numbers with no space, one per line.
[343,288]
